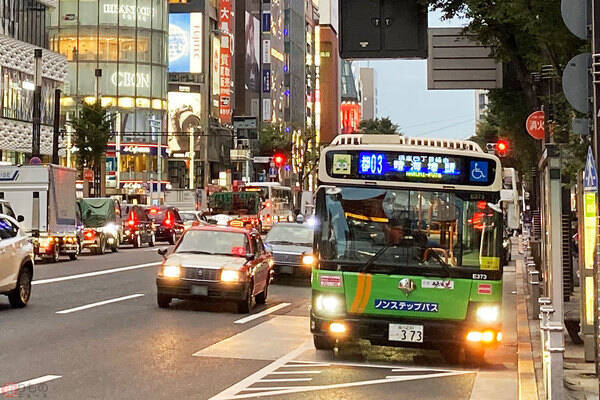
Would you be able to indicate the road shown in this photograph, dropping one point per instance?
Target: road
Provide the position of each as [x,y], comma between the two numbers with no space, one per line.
[93,331]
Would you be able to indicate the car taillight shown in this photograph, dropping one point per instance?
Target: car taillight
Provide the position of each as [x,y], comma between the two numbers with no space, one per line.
[89,234]
[131,223]
[168,221]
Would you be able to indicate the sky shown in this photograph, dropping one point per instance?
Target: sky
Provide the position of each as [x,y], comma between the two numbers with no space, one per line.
[402,96]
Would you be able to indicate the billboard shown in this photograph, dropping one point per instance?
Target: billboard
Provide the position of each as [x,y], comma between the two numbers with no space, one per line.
[185,42]
[184,118]
[225,26]
[252,80]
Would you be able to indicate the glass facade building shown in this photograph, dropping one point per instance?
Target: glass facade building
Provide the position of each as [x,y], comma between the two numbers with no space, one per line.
[128,41]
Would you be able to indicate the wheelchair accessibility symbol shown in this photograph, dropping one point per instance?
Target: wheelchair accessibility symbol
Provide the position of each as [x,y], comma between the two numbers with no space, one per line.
[478,171]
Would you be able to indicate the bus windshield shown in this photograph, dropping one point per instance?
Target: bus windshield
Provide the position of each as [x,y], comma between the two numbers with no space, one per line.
[407,231]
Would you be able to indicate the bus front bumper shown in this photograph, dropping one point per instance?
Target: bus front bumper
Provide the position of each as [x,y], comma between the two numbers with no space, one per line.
[437,334]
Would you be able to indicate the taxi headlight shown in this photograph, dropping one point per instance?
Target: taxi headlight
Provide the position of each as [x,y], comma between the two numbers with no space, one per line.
[488,313]
[308,259]
[327,304]
[230,276]
[171,271]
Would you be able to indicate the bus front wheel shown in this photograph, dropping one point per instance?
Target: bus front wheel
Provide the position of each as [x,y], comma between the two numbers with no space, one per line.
[475,356]
[322,343]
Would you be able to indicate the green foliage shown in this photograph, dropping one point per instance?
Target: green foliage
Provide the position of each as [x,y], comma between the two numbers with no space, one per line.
[273,139]
[378,126]
[525,35]
[93,130]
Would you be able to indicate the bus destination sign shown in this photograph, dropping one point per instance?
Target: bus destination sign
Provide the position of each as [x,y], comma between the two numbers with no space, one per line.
[411,167]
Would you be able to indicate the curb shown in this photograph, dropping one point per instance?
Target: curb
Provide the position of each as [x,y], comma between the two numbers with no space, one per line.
[525,367]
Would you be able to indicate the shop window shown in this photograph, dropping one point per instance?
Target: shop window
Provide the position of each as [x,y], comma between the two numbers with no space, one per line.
[127,45]
[108,12]
[88,44]
[68,13]
[143,46]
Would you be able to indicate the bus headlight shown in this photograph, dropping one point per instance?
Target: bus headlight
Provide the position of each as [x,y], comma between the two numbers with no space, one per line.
[327,304]
[171,271]
[488,313]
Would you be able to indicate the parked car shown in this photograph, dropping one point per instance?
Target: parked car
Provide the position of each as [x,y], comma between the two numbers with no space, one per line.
[16,262]
[193,218]
[216,263]
[168,222]
[291,245]
[102,224]
[138,228]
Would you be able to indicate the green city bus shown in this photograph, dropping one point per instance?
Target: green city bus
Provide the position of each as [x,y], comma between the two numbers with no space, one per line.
[408,237]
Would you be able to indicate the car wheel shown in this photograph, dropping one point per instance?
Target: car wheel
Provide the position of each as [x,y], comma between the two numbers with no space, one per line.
[261,298]
[172,238]
[19,297]
[73,256]
[116,244]
[55,253]
[451,354]
[163,300]
[474,356]
[322,343]
[152,241]
[137,242]
[102,247]
[245,305]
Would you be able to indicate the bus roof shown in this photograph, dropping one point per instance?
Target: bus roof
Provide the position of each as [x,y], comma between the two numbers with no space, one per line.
[263,184]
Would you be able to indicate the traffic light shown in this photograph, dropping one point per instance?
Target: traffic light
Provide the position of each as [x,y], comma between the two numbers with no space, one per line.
[279,160]
[502,148]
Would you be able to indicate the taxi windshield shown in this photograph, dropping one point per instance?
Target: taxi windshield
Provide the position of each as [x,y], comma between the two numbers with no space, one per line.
[213,242]
[409,231]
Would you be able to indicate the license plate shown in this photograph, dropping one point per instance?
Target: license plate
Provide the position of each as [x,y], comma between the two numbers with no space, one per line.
[286,269]
[406,333]
[199,290]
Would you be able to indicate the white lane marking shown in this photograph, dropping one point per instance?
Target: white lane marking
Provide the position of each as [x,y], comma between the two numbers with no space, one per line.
[268,388]
[295,372]
[100,303]
[95,273]
[300,389]
[287,380]
[9,388]
[305,362]
[262,313]
[304,365]
[255,377]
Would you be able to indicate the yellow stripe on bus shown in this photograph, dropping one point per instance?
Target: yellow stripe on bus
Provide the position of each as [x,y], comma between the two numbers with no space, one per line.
[366,295]
[360,283]
[365,218]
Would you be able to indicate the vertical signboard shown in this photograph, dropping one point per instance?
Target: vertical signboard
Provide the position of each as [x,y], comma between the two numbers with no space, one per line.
[225,26]
[266,79]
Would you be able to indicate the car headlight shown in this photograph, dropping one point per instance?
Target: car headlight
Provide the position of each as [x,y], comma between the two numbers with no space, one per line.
[171,271]
[327,304]
[308,259]
[230,276]
[488,313]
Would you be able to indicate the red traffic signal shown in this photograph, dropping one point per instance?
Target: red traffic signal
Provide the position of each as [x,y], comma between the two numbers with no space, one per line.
[502,148]
[279,159]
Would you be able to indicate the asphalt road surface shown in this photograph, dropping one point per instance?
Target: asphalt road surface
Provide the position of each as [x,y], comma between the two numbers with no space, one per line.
[92,330]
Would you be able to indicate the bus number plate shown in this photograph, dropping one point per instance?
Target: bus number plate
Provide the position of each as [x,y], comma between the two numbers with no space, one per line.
[406,333]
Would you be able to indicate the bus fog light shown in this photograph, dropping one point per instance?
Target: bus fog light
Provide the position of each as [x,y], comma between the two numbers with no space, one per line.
[487,337]
[488,313]
[337,327]
[474,336]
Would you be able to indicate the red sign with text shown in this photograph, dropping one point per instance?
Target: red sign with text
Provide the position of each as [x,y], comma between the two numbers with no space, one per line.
[535,125]
[225,26]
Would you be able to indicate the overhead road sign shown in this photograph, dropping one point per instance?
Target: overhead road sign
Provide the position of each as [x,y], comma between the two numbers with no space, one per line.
[458,61]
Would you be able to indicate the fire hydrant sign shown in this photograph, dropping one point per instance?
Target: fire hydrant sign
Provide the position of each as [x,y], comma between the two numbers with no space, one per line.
[88,175]
[535,125]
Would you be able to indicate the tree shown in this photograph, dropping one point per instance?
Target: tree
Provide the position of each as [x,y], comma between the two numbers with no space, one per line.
[306,152]
[273,139]
[378,126]
[93,129]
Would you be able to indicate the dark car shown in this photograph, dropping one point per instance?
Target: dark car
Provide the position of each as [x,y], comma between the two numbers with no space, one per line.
[291,244]
[138,228]
[216,263]
[168,222]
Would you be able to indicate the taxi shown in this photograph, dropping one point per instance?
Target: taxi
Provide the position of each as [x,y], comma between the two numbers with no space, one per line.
[214,263]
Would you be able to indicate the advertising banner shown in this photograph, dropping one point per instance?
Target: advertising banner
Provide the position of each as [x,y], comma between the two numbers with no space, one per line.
[225,25]
[252,53]
[184,120]
[185,42]
[266,81]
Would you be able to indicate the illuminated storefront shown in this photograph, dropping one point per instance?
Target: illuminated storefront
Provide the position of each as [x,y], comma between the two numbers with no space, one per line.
[127,41]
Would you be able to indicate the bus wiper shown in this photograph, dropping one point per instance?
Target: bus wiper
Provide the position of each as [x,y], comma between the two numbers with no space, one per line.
[438,258]
[376,256]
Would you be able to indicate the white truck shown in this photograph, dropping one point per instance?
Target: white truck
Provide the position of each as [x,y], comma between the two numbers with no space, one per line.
[44,196]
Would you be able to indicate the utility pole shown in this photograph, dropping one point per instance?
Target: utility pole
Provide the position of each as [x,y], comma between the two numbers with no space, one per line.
[37,104]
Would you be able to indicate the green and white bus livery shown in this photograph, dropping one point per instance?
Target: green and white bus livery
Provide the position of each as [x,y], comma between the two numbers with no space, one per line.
[408,235]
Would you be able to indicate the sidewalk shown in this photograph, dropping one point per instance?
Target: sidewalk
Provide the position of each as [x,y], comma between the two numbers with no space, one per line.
[580,380]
